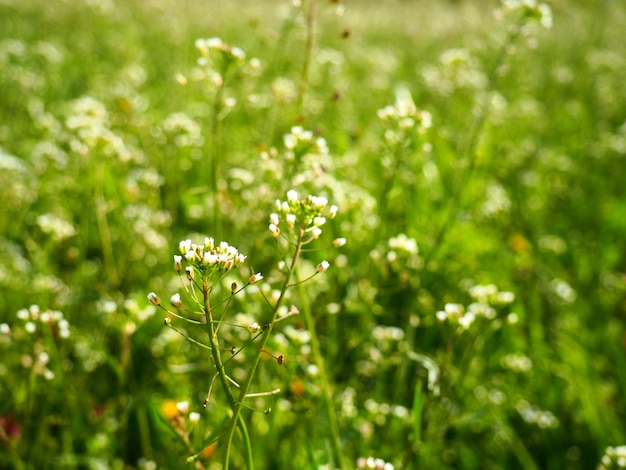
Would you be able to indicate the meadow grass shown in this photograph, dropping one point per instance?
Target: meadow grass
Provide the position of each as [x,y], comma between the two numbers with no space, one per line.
[453,296]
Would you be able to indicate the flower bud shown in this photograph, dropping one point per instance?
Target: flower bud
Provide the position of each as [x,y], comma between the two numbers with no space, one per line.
[255,278]
[176,301]
[183,407]
[323,266]
[337,242]
[274,230]
[154,299]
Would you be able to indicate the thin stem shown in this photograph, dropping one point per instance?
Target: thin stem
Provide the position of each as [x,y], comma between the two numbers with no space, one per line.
[238,404]
[308,54]
[216,156]
[103,228]
[326,389]
[215,349]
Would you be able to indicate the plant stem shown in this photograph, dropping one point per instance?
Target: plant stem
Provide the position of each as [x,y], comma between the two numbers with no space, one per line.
[267,329]
[216,156]
[319,361]
[103,227]
[215,350]
[308,54]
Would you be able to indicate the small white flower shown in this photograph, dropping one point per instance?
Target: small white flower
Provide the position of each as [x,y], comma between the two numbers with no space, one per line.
[275,231]
[292,195]
[337,242]
[184,246]
[323,266]
[194,417]
[190,272]
[154,299]
[175,300]
[255,278]
[182,407]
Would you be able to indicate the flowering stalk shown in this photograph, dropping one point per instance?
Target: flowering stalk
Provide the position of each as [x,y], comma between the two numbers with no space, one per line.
[301,220]
[267,330]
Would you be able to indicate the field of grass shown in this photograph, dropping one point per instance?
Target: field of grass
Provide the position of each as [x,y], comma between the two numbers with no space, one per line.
[430,199]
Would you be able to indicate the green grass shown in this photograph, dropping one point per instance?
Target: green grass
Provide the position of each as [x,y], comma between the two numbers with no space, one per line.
[113,149]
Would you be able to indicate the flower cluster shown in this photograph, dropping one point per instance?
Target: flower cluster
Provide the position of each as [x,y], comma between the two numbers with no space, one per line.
[308,215]
[533,415]
[517,362]
[485,297]
[36,325]
[218,58]
[305,157]
[530,10]
[32,316]
[90,128]
[614,457]
[300,142]
[370,463]
[208,257]
[402,119]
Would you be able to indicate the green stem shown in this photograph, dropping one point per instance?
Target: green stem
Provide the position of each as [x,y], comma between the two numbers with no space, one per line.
[216,156]
[319,361]
[308,54]
[215,349]
[267,329]
[103,228]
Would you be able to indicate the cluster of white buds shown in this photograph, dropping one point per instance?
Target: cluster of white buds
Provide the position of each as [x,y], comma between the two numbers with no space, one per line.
[300,142]
[371,463]
[52,318]
[208,256]
[307,214]
[217,59]
[614,457]
[530,10]
[403,116]
[206,46]
[485,297]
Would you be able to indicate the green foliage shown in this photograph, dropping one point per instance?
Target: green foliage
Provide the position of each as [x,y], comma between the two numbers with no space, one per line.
[475,317]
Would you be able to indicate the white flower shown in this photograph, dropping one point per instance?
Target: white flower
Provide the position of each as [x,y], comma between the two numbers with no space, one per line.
[182,407]
[337,242]
[154,299]
[175,300]
[323,266]
[274,230]
[255,278]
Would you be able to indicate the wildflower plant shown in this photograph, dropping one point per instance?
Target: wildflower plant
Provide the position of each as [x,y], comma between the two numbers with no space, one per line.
[202,268]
